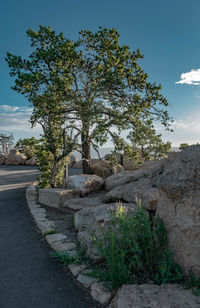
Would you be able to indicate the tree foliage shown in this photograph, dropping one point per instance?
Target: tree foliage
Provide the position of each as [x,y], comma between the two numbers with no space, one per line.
[28,146]
[93,87]
[149,142]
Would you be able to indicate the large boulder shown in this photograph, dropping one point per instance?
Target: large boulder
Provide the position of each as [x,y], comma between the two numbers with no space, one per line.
[55,197]
[89,221]
[2,159]
[78,204]
[179,206]
[32,161]
[154,296]
[135,192]
[15,158]
[85,183]
[148,170]
[104,168]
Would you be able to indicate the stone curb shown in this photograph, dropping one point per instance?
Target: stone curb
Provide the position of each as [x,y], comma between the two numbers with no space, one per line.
[60,243]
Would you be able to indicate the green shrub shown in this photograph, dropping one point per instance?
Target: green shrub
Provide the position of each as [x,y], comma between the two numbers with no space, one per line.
[135,249]
[193,282]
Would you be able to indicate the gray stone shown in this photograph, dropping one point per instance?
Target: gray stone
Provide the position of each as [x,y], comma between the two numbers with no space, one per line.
[179,207]
[63,246]
[104,168]
[100,293]
[57,237]
[45,225]
[87,281]
[78,204]
[55,197]
[154,296]
[76,269]
[84,183]
[135,192]
[148,170]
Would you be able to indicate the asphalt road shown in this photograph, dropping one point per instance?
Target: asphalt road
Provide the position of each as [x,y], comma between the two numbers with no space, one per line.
[29,277]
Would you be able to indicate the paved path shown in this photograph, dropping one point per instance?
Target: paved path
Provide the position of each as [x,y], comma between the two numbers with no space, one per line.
[28,275]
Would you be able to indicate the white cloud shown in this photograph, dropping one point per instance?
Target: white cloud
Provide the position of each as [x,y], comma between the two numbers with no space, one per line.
[15,119]
[191,78]
[185,130]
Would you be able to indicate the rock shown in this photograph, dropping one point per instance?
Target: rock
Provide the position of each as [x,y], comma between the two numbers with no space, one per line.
[55,197]
[148,170]
[100,293]
[84,183]
[154,296]
[78,204]
[86,280]
[73,161]
[45,225]
[62,246]
[52,238]
[79,164]
[2,159]
[135,192]
[171,155]
[32,161]
[15,158]
[89,221]
[76,269]
[104,169]
[179,207]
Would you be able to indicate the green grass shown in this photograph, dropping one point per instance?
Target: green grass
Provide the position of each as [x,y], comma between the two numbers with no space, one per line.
[53,231]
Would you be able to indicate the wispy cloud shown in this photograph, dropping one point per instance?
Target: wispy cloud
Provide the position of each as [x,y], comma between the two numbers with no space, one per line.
[191,78]
[15,119]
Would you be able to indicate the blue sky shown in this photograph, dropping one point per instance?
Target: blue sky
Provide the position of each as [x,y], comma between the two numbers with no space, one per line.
[166,32]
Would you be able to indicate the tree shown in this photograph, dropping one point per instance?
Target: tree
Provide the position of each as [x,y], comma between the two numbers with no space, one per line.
[149,142]
[183,146]
[40,79]
[94,86]
[6,142]
[28,146]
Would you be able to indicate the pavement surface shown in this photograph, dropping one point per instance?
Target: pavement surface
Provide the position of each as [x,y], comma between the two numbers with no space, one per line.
[29,277]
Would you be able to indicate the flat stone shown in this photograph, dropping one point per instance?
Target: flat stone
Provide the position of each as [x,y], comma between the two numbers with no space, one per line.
[100,293]
[78,204]
[57,237]
[87,281]
[55,197]
[76,269]
[60,246]
[45,226]
[154,296]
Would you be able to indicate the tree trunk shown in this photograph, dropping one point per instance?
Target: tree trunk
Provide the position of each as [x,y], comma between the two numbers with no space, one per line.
[53,175]
[86,157]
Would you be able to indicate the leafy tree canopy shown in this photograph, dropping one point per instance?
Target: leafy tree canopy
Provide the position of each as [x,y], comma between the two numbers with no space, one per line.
[93,88]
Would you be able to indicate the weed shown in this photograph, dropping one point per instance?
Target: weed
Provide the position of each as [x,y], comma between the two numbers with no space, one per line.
[135,249]
[192,282]
[53,231]
[65,259]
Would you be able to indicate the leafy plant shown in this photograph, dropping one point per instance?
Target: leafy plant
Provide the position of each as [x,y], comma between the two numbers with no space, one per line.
[193,282]
[53,231]
[65,258]
[135,249]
